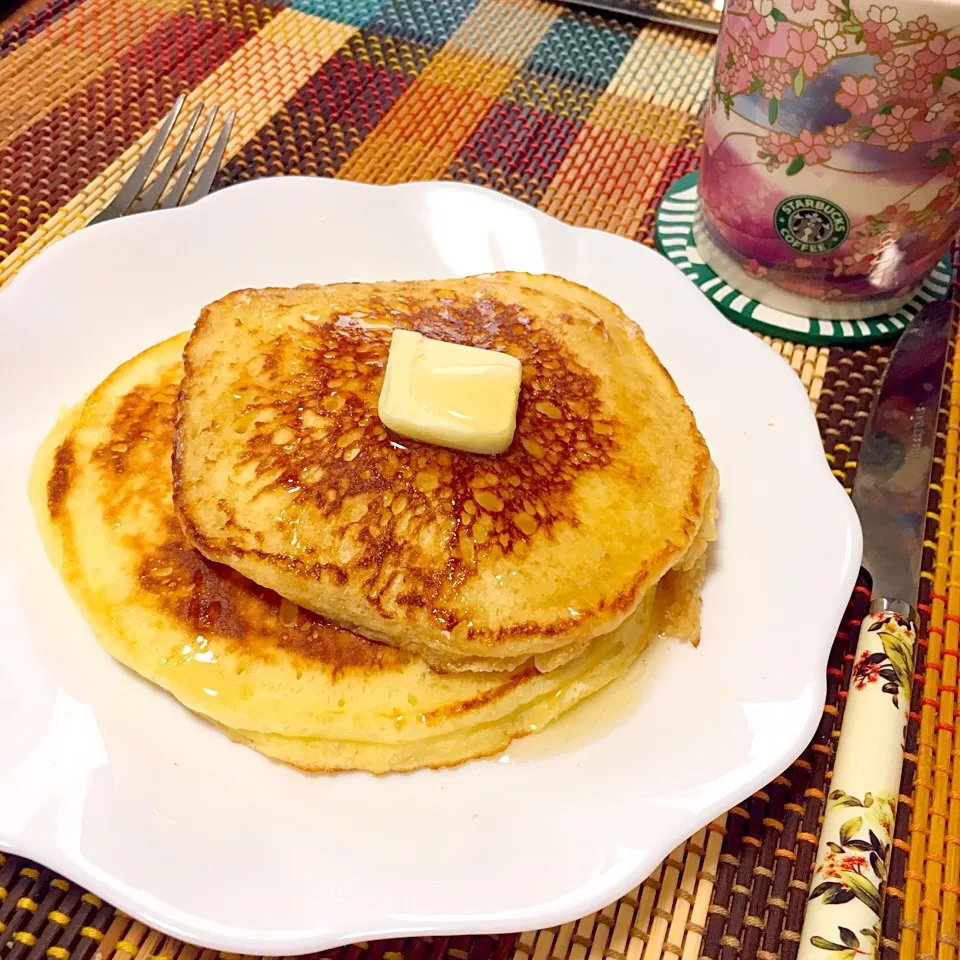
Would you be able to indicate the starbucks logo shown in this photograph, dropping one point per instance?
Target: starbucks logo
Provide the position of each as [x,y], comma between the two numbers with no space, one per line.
[811,225]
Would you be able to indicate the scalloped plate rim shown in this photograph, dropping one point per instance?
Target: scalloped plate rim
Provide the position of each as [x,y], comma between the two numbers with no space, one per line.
[585,898]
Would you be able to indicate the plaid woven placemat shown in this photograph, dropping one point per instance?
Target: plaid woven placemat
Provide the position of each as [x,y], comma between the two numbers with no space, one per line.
[589,119]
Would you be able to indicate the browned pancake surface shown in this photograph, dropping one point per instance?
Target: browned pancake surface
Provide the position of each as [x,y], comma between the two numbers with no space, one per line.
[284,471]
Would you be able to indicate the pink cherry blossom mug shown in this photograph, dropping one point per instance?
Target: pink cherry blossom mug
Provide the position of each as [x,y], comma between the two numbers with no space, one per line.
[830,173]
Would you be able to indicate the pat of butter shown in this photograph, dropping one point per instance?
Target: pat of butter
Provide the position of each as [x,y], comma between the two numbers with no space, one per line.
[449,394]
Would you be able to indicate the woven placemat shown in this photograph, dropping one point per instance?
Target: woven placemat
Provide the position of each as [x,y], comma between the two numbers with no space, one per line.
[589,119]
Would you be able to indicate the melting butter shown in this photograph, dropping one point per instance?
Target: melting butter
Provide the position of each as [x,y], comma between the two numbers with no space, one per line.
[449,394]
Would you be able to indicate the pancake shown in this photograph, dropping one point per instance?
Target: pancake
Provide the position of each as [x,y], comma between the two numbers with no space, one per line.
[284,472]
[275,676]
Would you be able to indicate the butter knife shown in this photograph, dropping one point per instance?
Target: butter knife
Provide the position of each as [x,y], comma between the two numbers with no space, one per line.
[649,10]
[890,494]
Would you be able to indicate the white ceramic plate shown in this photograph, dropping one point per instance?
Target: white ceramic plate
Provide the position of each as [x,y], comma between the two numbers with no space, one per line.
[111,782]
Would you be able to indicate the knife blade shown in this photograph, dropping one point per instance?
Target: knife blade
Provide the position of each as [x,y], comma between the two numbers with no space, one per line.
[890,494]
[893,475]
[647,10]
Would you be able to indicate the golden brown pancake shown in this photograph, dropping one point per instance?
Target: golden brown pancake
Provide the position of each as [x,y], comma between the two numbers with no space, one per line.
[283,470]
[280,678]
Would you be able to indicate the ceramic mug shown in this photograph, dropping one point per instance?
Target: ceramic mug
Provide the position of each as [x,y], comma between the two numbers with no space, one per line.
[830,172]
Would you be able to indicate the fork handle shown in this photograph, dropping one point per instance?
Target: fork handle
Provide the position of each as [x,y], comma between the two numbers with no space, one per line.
[847,886]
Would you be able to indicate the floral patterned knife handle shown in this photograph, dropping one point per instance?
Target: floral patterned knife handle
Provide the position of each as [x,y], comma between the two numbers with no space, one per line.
[843,910]
[890,493]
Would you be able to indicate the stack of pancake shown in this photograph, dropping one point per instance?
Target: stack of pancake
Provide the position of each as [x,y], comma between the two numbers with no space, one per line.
[240,528]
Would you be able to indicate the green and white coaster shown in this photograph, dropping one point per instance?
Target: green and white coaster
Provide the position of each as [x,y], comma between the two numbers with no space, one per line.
[674,236]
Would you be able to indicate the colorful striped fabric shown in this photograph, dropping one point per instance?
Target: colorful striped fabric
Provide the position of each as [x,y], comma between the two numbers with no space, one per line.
[588,118]
[584,118]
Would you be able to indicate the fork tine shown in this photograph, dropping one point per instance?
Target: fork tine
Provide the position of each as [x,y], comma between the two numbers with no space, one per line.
[128,192]
[150,197]
[189,165]
[209,172]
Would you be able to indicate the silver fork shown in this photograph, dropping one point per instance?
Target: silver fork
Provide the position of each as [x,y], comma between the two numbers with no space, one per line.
[127,202]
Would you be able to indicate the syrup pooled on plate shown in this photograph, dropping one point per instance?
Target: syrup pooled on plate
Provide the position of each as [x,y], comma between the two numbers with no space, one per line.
[677,617]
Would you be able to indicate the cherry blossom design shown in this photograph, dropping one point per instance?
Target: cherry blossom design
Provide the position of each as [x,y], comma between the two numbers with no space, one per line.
[762,26]
[880,28]
[780,145]
[836,135]
[923,28]
[917,80]
[775,75]
[885,15]
[762,17]
[876,37]
[900,90]
[804,51]
[858,94]
[777,148]
[892,67]
[812,147]
[894,126]
[831,37]
[940,54]
[733,66]
[899,139]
